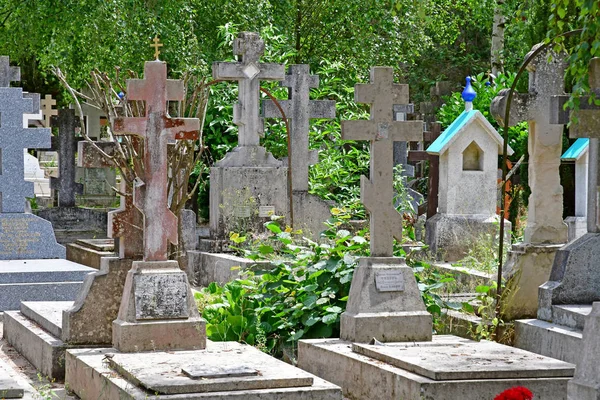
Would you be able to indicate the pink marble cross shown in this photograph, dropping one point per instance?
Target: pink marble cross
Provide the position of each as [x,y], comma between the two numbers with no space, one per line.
[157,128]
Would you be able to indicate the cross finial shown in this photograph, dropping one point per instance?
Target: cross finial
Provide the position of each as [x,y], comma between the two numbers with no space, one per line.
[8,74]
[157,44]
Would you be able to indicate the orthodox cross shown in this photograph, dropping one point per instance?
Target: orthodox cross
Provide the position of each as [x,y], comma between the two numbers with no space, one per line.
[65,143]
[300,109]
[47,103]
[8,74]
[156,46]
[585,126]
[157,128]
[248,72]
[377,192]
[545,223]
[13,139]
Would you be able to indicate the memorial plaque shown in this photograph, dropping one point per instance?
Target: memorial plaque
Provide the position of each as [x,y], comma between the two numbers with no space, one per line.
[27,236]
[160,295]
[214,371]
[389,281]
[266,211]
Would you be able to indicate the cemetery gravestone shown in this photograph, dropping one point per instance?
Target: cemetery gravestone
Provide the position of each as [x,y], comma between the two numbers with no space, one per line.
[309,211]
[248,178]
[65,184]
[529,263]
[374,312]
[468,169]
[579,154]
[157,296]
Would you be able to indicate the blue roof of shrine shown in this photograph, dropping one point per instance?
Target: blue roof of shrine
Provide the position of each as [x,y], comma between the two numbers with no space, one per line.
[576,150]
[440,143]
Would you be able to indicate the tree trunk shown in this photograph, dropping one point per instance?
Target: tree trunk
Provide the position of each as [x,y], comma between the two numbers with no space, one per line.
[497,50]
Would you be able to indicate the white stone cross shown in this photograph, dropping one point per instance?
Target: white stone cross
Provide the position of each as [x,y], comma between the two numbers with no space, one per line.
[8,74]
[249,72]
[544,222]
[300,109]
[377,192]
[47,111]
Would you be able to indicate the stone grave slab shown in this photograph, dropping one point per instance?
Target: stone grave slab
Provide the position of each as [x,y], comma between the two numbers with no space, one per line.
[9,387]
[47,314]
[466,360]
[98,244]
[39,280]
[161,372]
[89,252]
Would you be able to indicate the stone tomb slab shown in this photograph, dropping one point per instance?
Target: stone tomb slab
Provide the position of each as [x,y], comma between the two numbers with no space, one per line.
[98,244]
[47,314]
[466,360]
[163,372]
[9,387]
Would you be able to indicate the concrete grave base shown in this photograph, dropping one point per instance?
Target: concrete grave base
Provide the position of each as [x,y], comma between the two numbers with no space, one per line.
[109,375]
[548,339]
[527,267]
[451,236]
[39,280]
[385,303]
[205,268]
[10,388]
[90,251]
[72,223]
[448,368]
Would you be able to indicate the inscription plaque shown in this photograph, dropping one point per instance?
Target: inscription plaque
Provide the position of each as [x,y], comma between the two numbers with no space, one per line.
[160,295]
[266,211]
[214,371]
[389,281]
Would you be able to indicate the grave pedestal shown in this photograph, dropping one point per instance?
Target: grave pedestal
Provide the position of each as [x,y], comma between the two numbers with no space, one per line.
[90,251]
[158,311]
[450,236]
[447,368]
[384,303]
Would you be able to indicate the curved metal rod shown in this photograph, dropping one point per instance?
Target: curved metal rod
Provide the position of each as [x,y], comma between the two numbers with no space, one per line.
[526,62]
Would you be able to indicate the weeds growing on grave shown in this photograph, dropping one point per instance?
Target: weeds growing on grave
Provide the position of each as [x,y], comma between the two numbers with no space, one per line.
[304,293]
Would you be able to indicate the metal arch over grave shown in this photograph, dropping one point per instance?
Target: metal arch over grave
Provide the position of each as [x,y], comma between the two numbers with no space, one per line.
[376,193]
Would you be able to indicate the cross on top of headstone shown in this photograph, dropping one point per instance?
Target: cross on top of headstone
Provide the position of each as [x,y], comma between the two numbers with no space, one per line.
[157,45]
[157,128]
[67,187]
[8,74]
[248,72]
[13,139]
[299,109]
[381,130]
[47,103]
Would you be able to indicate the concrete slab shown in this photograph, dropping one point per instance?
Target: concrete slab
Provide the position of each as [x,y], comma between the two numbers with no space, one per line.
[98,244]
[9,387]
[363,377]
[90,377]
[459,358]
[89,252]
[548,339]
[161,372]
[47,314]
[571,315]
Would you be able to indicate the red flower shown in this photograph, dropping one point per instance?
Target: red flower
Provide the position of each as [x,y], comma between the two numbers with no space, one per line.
[516,393]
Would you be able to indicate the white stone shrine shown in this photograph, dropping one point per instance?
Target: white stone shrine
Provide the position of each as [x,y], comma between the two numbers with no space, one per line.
[468,152]
[579,154]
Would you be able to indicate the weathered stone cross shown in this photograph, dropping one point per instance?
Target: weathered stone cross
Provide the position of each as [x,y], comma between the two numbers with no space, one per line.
[8,74]
[544,222]
[157,128]
[249,72]
[47,109]
[300,109]
[13,139]
[588,117]
[65,144]
[377,193]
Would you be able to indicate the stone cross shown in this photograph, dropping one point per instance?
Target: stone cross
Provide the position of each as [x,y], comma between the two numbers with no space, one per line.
[382,131]
[433,178]
[13,139]
[248,72]
[65,184]
[157,128]
[8,74]
[588,121]
[156,46]
[300,109]
[47,103]
[544,222]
